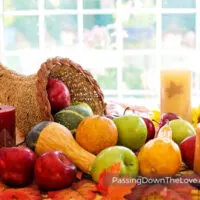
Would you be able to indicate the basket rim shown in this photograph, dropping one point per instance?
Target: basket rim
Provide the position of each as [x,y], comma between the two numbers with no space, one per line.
[42,79]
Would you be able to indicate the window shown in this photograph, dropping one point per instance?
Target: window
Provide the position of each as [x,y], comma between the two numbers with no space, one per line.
[124,43]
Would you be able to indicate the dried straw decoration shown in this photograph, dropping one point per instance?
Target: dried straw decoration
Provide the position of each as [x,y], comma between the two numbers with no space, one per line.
[29,96]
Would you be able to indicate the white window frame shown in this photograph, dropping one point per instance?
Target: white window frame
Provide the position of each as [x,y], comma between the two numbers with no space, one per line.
[119,52]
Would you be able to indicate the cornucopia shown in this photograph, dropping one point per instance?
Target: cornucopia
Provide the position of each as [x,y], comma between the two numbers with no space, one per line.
[29,96]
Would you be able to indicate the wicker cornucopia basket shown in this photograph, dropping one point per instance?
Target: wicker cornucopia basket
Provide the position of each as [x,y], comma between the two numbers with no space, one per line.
[29,96]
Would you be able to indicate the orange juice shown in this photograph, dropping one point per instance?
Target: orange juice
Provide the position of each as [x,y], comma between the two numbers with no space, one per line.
[175,92]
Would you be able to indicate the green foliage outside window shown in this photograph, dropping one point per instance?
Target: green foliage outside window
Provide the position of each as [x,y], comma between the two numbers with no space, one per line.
[109,79]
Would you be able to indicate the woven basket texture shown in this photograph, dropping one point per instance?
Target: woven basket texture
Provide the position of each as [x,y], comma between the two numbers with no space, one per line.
[29,96]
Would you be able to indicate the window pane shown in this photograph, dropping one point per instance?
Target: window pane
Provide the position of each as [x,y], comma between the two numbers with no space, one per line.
[198,74]
[107,79]
[140,32]
[110,97]
[61,31]
[99,4]
[103,67]
[13,62]
[140,3]
[179,3]
[147,101]
[61,4]
[98,31]
[178,31]
[22,64]
[190,62]
[21,32]
[1,39]
[139,72]
[20,5]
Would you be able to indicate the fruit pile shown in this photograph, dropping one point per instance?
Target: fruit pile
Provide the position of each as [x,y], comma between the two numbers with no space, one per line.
[98,147]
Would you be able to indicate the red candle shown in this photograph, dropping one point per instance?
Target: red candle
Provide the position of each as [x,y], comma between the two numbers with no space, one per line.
[7,126]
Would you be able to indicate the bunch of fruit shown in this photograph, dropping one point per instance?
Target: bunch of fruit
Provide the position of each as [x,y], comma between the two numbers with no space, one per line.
[19,166]
[78,139]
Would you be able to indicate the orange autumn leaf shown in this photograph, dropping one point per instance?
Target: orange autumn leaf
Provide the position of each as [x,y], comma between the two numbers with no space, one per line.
[83,189]
[106,176]
[3,187]
[65,194]
[110,190]
[28,193]
[86,188]
[118,192]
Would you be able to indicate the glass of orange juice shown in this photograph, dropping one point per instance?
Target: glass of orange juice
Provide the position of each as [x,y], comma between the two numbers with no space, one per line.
[175,92]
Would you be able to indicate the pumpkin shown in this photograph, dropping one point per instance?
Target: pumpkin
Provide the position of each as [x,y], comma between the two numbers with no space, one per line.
[51,136]
[161,156]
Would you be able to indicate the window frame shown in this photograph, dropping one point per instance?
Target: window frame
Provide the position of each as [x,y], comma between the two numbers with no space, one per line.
[41,12]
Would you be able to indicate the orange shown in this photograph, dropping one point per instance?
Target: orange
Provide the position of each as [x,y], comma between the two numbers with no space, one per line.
[160,157]
[96,133]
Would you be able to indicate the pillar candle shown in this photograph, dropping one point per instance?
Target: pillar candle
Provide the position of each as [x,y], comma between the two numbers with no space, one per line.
[176,86]
[7,126]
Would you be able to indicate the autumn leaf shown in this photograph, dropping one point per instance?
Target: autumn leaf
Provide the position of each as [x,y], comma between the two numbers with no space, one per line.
[105,177]
[165,191]
[137,192]
[112,191]
[79,175]
[86,188]
[171,194]
[28,193]
[184,190]
[65,194]
[83,189]
[3,187]
[118,192]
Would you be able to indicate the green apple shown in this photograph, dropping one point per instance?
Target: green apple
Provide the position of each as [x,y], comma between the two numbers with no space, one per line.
[112,155]
[181,129]
[132,131]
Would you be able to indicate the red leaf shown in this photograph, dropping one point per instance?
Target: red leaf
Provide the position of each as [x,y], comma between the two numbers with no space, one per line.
[171,194]
[137,192]
[154,189]
[79,175]
[166,191]
[28,193]
[181,187]
[110,190]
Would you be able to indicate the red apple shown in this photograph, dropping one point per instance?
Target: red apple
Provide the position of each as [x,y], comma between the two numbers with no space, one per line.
[187,147]
[166,117]
[17,165]
[150,128]
[58,94]
[53,171]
